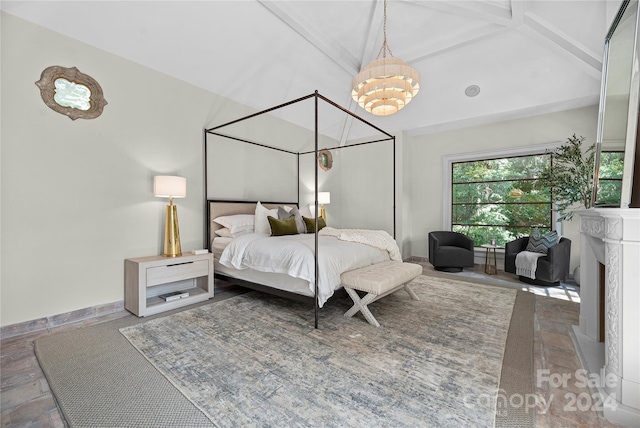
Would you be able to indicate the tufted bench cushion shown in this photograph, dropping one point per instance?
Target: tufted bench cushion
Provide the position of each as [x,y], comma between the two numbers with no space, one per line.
[377,280]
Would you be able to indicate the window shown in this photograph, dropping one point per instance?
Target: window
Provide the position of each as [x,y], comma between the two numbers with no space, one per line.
[499,198]
[610,181]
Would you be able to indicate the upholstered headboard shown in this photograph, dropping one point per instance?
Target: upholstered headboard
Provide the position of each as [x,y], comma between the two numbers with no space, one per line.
[220,208]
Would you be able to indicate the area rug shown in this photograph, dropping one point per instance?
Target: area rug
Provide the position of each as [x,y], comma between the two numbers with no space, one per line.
[100,381]
[256,360]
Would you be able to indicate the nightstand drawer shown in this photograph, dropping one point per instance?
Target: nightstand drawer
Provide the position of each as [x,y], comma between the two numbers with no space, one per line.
[176,272]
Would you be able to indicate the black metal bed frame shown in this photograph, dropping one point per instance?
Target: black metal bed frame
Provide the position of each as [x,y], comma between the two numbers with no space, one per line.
[317,97]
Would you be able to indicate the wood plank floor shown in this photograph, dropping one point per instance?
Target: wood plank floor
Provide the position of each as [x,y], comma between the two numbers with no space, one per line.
[26,400]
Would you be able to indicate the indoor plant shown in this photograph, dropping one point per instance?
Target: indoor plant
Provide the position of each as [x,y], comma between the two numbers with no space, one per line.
[570,176]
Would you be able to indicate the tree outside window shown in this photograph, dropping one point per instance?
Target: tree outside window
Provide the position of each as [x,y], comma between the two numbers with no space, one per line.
[500,198]
[610,181]
[504,198]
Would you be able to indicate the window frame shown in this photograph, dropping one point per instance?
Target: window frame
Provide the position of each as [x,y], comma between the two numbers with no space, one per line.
[447,172]
[611,148]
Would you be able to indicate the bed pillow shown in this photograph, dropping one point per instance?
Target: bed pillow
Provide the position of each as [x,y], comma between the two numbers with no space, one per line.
[282,213]
[306,211]
[300,224]
[237,224]
[224,232]
[261,221]
[282,227]
[311,223]
[539,243]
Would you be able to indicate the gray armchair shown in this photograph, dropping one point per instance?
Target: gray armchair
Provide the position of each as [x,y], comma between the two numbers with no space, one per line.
[551,269]
[450,251]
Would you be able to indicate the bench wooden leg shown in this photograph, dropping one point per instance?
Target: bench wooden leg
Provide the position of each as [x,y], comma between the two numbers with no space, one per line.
[412,293]
[361,305]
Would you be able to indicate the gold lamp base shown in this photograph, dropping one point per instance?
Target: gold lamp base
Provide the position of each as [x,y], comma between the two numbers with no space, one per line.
[171,232]
[323,212]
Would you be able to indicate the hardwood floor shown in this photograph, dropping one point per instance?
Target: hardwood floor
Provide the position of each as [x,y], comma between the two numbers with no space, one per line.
[26,400]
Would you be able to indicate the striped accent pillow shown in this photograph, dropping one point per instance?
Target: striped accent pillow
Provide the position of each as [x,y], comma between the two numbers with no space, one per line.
[539,243]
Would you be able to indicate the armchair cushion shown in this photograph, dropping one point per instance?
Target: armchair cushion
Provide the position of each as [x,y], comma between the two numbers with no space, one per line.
[551,269]
[450,251]
[539,243]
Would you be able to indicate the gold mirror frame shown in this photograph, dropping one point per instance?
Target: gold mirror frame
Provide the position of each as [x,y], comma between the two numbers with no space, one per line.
[325,160]
[48,89]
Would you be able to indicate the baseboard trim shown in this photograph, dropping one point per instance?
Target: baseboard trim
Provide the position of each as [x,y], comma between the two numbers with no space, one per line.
[46,323]
[105,309]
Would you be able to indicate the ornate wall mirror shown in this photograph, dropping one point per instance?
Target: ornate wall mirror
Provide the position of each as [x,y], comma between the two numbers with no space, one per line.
[71,92]
[618,117]
[325,160]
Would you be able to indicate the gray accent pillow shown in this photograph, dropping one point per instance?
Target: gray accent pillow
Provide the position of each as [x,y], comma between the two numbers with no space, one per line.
[282,213]
[539,243]
[300,224]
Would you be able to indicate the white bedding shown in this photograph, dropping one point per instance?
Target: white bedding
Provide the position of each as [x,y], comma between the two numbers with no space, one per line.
[376,238]
[294,255]
[219,244]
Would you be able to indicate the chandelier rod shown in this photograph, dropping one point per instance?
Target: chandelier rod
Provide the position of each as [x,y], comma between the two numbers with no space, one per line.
[385,46]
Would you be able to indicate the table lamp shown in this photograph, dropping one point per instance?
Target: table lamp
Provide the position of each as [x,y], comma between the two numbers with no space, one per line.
[324,198]
[167,186]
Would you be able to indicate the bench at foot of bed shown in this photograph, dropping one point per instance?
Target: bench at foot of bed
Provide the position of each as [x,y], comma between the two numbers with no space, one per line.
[377,280]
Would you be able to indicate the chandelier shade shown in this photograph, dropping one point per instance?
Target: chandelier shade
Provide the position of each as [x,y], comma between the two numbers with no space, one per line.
[386,85]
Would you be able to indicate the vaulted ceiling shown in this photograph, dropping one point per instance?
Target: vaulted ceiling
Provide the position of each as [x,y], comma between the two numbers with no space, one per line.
[527,57]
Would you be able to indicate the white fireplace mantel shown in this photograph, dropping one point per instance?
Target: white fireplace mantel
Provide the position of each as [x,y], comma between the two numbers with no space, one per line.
[611,237]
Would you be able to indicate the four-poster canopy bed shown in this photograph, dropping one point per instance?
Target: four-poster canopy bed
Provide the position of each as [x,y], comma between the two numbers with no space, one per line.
[235,227]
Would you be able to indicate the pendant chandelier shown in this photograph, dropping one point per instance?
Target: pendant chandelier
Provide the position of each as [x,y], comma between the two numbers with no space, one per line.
[387,84]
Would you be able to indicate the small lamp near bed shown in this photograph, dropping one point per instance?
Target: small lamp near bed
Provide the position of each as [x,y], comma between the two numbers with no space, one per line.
[324,198]
[167,186]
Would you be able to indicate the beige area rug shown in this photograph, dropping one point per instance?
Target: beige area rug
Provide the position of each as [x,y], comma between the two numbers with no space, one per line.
[255,360]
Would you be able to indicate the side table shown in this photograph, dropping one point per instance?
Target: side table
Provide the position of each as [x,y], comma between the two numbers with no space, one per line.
[490,268]
[146,278]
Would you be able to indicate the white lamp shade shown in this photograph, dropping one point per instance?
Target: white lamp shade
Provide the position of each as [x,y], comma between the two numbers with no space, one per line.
[324,197]
[169,186]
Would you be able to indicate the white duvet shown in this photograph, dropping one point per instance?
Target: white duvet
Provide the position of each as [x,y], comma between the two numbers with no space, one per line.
[294,255]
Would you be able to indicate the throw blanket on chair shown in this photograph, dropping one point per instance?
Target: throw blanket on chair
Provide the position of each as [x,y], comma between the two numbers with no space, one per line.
[526,263]
[375,238]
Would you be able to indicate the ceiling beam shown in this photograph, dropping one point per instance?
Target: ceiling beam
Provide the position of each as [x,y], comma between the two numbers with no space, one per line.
[475,9]
[480,120]
[374,26]
[368,53]
[469,38]
[313,34]
[517,12]
[545,33]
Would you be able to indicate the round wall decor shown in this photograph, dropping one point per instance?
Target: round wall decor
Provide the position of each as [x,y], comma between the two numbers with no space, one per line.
[325,160]
[71,92]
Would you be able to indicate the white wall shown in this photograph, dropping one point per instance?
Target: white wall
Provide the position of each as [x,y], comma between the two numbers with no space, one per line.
[366,186]
[77,195]
[427,152]
[361,186]
[250,173]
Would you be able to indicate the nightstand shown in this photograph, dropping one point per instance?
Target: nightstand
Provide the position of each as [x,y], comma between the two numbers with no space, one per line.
[146,278]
